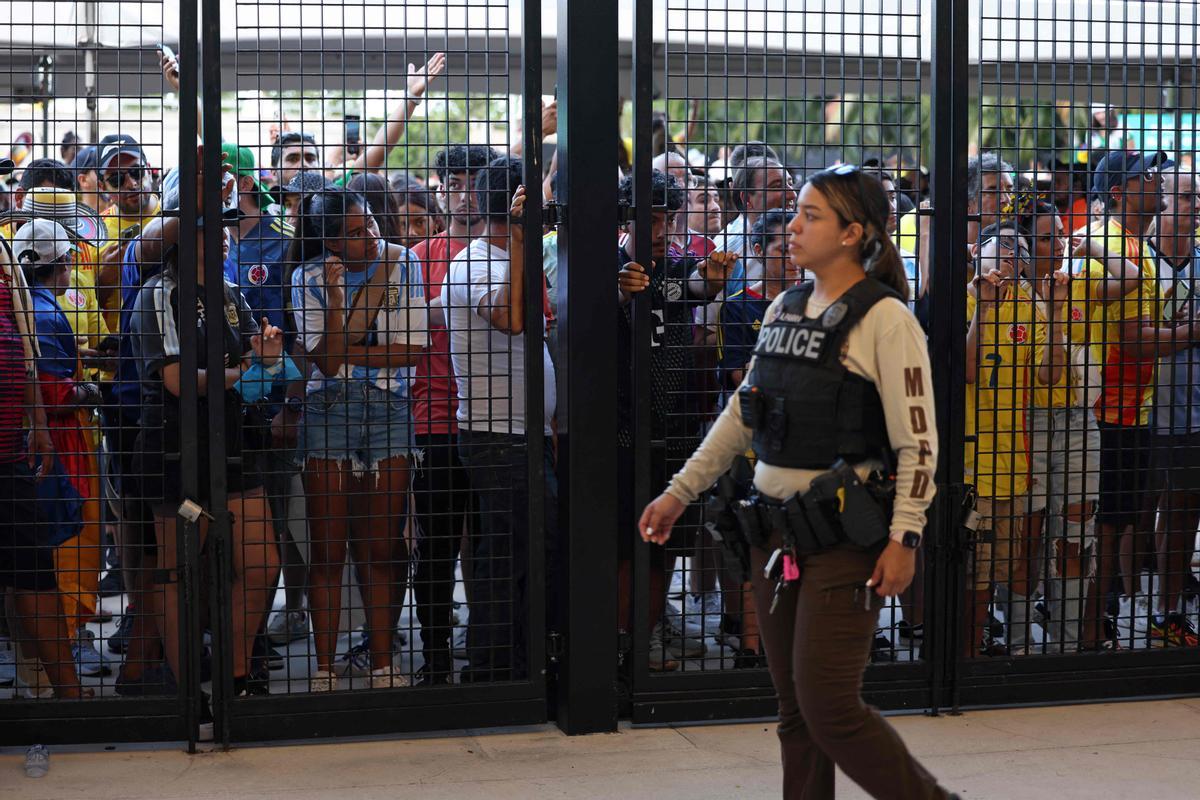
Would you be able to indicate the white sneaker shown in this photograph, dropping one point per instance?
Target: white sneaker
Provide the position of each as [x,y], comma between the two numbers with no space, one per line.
[705,609]
[287,626]
[89,660]
[1133,618]
[677,622]
[322,681]
[680,645]
[388,678]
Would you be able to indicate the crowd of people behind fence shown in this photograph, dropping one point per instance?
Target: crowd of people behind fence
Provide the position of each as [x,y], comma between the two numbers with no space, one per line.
[372,393]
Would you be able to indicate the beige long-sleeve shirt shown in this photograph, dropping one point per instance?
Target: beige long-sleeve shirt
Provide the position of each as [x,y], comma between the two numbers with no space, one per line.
[888,348]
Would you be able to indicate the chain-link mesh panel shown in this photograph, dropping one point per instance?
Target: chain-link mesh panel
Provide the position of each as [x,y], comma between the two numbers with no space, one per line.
[1081,190]
[89,133]
[753,101]
[377,166]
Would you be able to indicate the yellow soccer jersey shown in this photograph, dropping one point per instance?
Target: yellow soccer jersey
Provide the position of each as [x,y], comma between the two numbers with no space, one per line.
[79,302]
[1071,326]
[997,461]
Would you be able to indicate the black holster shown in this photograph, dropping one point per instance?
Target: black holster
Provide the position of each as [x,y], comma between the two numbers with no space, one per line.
[864,519]
[728,523]
[838,508]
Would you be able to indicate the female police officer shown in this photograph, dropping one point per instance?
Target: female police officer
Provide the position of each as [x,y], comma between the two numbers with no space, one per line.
[840,377]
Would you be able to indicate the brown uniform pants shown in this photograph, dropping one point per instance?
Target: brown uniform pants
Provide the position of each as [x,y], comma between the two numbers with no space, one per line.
[818,642]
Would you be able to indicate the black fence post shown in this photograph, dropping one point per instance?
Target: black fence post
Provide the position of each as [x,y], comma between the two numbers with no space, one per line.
[642,91]
[535,335]
[947,341]
[219,536]
[187,533]
[587,361]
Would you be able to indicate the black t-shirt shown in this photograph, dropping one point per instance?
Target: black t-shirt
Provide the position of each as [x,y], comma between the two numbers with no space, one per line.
[154,326]
[670,355]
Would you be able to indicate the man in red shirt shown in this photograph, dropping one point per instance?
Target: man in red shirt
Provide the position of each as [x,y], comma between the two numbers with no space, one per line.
[441,493]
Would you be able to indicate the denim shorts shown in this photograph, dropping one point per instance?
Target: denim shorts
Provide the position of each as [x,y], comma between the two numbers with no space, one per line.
[356,423]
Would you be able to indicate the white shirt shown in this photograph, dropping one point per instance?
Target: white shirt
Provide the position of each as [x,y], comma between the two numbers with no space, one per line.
[733,238]
[489,364]
[403,320]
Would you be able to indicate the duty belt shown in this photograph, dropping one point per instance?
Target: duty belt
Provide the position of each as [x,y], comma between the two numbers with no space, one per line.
[804,524]
[837,509]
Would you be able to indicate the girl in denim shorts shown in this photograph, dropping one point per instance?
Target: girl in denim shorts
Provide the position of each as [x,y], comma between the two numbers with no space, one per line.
[359,307]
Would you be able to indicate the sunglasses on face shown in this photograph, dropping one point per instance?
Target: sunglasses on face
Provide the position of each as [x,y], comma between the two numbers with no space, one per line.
[1012,245]
[296,138]
[117,177]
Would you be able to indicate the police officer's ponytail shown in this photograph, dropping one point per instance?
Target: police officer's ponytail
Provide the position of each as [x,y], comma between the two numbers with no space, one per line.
[882,262]
[859,197]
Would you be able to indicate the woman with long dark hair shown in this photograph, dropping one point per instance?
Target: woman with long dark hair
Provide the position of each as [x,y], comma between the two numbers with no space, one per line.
[157,341]
[359,306]
[837,406]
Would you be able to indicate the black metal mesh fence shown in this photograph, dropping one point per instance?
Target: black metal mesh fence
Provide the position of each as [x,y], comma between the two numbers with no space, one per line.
[385,456]
[88,154]
[343,479]
[754,99]
[1082,191]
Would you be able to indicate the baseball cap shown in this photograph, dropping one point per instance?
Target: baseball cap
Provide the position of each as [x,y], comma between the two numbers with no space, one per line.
[41,241]
[1119,166]
[86,159]
[306,183]
[116,144]
[241,161]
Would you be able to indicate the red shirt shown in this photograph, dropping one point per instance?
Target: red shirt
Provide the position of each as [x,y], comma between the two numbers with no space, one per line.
[12,381]
[434,392]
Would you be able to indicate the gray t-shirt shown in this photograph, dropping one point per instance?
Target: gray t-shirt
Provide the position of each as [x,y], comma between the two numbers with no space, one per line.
[1177,393]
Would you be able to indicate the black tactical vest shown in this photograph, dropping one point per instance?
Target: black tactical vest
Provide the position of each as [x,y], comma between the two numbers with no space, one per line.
[806,409]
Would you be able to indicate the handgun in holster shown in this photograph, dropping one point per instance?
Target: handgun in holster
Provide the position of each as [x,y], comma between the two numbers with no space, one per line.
[822,504]
[751,523]
[722,519]
[864,520]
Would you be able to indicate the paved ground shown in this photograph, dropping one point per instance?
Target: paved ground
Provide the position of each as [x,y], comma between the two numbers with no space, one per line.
[1147,751]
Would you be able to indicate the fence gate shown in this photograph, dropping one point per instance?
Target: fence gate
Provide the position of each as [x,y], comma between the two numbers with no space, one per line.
[773,92]
[1058,96]
[307,537]
[75,78]
[461,85]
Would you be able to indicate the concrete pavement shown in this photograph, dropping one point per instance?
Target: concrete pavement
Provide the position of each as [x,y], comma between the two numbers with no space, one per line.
[1145,750]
